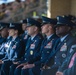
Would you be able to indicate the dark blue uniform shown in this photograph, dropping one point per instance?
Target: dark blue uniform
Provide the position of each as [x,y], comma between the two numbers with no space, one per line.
[25,37]
[45,50]
[31,51]
[14,51]
[2,40]
[32,48]
[61,52]
[65,66]
[3,47]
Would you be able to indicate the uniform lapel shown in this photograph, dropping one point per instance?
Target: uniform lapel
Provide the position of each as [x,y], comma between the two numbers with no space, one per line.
[62,43]
[28,44]
[50,39]
[71,56]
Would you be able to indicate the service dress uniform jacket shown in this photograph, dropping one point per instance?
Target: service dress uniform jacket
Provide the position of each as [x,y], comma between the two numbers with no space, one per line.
[2,40]
[25,37]
[2,47]
[65,66]
[46,48]
[60,53]
[14,51]
[32,48]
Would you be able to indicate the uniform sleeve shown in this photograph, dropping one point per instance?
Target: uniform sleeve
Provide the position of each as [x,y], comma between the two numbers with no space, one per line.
[63,66]
[19,51]
[70,71]
[6,57]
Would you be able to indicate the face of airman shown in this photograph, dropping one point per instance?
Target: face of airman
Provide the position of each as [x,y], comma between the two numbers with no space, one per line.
[46,28]
[4,32]
[62,30]
[24,26]
[31,30]
[13,32]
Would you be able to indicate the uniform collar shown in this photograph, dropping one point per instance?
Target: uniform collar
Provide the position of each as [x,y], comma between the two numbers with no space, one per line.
[13,39]
[25,32]
[62,39]
[48,37]
[32,37]
[8,37]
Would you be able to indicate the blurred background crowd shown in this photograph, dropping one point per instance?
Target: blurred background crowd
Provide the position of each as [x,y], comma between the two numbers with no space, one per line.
[18,10]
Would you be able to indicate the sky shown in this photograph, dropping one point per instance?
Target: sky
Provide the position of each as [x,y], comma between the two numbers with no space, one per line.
[6,1]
